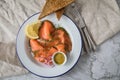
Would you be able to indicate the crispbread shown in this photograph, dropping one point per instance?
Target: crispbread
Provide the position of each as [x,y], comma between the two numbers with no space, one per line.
[53,5]
[59,13]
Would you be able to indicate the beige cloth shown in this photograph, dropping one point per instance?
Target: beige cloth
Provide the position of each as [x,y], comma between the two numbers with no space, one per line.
[102,18]
[12,15]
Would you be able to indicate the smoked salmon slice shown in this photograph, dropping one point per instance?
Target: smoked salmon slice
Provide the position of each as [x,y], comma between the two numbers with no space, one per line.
[51,51]
[53,43]
[68,43]
[35,46]
[59,34]
[44,56]
[45,30]
[40,56]
[64,38]
[61,48]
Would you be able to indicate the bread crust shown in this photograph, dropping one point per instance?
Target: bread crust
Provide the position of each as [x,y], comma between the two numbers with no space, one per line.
[54,5]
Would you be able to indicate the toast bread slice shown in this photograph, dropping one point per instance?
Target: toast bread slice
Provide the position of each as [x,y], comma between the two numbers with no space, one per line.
[54,5]
[59,13]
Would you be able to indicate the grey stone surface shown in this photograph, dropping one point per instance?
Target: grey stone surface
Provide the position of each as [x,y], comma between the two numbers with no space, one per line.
[104,64]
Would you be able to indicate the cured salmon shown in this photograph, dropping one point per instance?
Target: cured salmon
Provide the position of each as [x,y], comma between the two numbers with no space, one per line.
[46,29]
[59,34]
[61,48]
[35,46]
[64,38]
[50,40]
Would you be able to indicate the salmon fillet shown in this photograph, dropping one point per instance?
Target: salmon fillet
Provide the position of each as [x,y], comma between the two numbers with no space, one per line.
[46,29]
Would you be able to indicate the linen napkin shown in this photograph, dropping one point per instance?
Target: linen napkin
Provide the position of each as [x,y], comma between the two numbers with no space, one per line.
[101,16]
[99,21]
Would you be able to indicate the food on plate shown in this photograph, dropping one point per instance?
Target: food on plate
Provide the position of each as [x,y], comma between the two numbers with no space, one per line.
[45,30]
[63,37]
[54,5]
[35,45]
[31,30]
[49,41]
[59,58]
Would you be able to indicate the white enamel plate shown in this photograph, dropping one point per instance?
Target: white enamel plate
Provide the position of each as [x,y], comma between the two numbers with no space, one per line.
[25,57]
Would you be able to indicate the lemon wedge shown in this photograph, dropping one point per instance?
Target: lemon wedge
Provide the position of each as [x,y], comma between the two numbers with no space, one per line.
[31,30]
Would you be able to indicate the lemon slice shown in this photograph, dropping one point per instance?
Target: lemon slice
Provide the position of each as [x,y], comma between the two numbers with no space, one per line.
[31,30]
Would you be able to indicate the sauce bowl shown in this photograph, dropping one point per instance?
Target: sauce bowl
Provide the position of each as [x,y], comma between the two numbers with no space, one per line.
[59,58]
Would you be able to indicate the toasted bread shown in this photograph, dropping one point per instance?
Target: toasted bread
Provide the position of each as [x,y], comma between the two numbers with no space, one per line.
[59,13]
[53,5]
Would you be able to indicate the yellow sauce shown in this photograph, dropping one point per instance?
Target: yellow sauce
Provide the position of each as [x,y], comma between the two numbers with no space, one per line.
[59,58]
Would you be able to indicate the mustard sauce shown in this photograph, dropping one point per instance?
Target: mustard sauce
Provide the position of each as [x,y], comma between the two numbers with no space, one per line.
[59,58]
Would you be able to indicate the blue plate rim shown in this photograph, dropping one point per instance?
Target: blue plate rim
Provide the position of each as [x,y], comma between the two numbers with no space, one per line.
[38,74]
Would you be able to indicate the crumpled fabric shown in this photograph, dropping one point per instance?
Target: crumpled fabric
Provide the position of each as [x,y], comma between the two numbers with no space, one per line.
[12,14]
[102,18]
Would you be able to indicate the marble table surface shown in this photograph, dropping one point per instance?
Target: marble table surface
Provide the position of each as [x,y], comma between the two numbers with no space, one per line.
[104,64]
